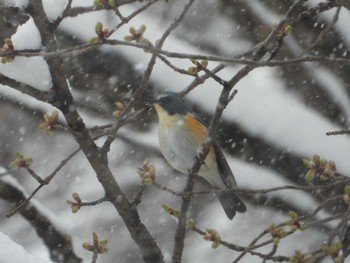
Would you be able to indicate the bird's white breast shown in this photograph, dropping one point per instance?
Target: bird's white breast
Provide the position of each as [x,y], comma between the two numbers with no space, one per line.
[179,147]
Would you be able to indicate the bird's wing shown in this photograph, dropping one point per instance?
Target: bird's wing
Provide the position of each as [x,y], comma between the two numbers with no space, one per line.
[199,127]
[224,169]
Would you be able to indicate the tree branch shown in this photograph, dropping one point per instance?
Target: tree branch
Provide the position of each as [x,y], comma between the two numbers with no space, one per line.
[42,182]
[58,244]
[62,98]
[24,88]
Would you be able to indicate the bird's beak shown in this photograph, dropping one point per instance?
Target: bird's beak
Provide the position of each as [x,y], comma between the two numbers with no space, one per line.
[150,101]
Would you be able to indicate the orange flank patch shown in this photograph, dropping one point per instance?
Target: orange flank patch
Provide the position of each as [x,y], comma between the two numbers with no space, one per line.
[197,127]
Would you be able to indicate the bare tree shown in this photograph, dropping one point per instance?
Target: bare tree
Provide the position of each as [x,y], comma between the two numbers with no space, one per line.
[87,83]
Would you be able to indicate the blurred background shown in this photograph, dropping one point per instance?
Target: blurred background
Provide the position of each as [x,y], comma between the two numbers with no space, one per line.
[279,116]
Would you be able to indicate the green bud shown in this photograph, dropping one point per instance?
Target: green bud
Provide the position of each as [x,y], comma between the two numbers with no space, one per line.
[111,3]
[332,166]
[119,106]
[117,114]
[316,158]
[75,207]
[142,29]
[323,163]
[98,28]
[132,31]
[207,237]
[215,245]
[176,213]
[152,171]
[282,233]
[94,237]
[276,240]
[192,70]
[167,208]
[338,245]
[307,163]
[211,231]
[204,63]
[190,223]
[347,189]
[94,41]
[144,41]
[19,156]
[293,215]
[272,227]
[147,181]
[87,246]
[309,176]
[104,246]
[97,2]
[328,171]
[14,165]
[76,197]
[29,161]
[129,38]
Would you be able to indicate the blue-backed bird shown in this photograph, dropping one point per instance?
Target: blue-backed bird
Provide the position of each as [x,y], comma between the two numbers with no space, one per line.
[181,135]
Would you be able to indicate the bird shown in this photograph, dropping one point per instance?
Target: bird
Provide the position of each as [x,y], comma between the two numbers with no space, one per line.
[181,134]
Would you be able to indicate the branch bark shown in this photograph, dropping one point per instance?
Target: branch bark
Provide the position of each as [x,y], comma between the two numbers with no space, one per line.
[62,99]
[58,244]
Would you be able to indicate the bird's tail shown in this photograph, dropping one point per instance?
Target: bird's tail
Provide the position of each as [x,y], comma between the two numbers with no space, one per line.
[231,203]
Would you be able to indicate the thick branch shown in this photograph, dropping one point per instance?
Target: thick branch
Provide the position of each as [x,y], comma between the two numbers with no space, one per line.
[62,98]
[24,88]
[59,244]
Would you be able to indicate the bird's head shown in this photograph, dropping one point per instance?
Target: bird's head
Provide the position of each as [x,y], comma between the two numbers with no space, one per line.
[172,103]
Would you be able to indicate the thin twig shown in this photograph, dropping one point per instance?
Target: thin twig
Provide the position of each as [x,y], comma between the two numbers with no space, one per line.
[94,256]
[279,188]
[199,80]
[325,220]
[273,251]
[64,14]
[338,132]
[340,229]
[75,11]
[323,32]
[214,76]
[93,203]
[131,16]
[161,187]
[34,175]
[44,182]
[249,249]
[84,48]
[176,69]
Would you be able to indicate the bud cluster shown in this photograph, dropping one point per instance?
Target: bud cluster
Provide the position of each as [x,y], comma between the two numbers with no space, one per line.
[21,161]
[147,172]
[317,168]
